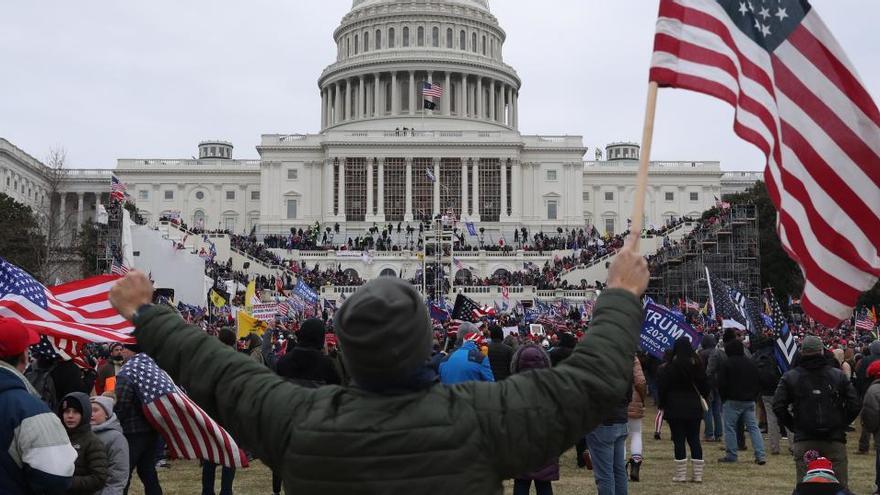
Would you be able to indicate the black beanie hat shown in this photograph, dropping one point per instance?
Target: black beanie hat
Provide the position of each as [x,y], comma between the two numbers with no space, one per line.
[384,331]
[496,333]
[311,334]
[729,335]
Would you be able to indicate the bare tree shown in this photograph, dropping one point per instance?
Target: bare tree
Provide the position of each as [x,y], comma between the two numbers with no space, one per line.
[56,221]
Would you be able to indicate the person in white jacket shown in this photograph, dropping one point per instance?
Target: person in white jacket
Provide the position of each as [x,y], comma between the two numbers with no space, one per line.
[106,426]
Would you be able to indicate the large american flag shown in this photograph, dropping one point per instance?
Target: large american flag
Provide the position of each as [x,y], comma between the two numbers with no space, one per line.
[800,101]
[189,432]
[78,311]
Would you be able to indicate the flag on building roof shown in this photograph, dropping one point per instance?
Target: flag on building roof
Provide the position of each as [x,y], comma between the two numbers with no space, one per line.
[79,311]
[117,189]
[189,432]
[800,101]
[430,90]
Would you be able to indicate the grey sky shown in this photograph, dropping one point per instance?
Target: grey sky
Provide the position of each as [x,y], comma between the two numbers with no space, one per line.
[108,79]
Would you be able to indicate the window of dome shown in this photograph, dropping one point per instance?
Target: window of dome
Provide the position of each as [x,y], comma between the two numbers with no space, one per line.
[462,41]
[366,42]
[378,39]
[200,195]
[391,39]
[435,37]
[356,44]
[449,37]
[474,42]
[405,36]
[421,36]
[484,45]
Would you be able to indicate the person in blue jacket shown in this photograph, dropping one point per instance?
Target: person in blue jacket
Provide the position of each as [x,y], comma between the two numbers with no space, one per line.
[35,453]
[467,363]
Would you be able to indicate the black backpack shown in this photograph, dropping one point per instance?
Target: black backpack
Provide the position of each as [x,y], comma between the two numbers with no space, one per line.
[819,408]
[41,379]
[768,371]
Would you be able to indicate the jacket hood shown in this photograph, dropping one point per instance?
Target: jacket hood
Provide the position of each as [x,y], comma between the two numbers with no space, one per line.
[734,348]
[112,423]
[814,361]
[11,378]
[304,358]
[875,348]
[529,357]
[84,404]
[567,340]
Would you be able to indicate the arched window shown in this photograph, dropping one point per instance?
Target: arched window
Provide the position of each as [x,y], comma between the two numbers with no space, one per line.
[435,37]
[405,36]
[462,40]
[474,42]
[492,46]
[449,36]
[421,36]
[366,42]
[378,39]
[356,44]
[391,40]
[347,47]
[484,45]
[388,272]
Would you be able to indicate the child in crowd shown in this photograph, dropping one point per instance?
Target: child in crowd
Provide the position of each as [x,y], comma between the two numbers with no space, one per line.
[106,426]
[90,472]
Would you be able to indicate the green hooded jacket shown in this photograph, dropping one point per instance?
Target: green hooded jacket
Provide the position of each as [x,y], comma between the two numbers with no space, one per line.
[465,438]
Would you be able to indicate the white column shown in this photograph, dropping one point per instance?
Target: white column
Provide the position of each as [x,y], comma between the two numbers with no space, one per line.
[436,186]
[509,106]
[338,104]
[516,206]
[328,189]
[323,109]
[515,109]
[377,85]
[395,95]
[370,210]
[475,214]
[447,96]
[408,214]
[463,110]
[412,92]
[492,99]
[464,185]
[479,110]
[79,210]
[504,215]
[361,103]
[342,189]
[381,189]
[62,216]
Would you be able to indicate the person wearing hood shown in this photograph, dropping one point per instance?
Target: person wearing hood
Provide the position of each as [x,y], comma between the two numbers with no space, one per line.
[862,383]
[467,363]
[817,403]
[90,469]
[306,364]
[740,386]
[500,354]
[35,453]
[714,426]
[531,357]
[106,379]
[395,429]
[106,426]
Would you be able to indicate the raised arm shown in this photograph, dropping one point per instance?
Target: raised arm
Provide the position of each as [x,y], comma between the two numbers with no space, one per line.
[532,417]
[245,397]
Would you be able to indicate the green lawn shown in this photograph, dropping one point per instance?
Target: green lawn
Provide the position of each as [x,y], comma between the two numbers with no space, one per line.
[777,477]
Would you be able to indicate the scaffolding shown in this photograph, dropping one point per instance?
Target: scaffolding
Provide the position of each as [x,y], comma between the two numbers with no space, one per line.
[109,241]
[437,259]
[729,248]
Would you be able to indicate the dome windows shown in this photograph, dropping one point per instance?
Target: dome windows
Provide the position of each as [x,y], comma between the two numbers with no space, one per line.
[474,42]
[406,36]
[449,38]
[391,40]
[421,36]
[366,41]
[462,40]
[378,39]
[435,37]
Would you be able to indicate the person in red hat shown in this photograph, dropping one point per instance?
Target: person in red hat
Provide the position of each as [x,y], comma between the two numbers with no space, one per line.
[820,478]
[36,455]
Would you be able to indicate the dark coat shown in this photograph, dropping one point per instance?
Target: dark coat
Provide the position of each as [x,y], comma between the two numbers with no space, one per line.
[303,364]
[738,376]
[464,438]
[678,383]
[531,357]
[500,356]
[91,467]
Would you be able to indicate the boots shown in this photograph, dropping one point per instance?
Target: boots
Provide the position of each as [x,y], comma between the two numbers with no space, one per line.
[698,470]
[634,467]
[681,471]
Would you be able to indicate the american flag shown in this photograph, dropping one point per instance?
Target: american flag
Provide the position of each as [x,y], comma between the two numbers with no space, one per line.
[458,264]
[117,189]
[863,320]
[466,309]
[189,432]
[283,309]
[430,90]
[65,349]
[78,311]
[798,99]
[117,268]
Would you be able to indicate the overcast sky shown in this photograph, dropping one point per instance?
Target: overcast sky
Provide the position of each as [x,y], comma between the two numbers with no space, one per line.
[106,79]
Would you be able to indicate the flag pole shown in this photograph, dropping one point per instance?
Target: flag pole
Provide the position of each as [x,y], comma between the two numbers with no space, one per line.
[644,162]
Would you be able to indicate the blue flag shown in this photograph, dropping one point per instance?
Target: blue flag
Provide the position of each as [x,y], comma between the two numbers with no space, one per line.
[472,230]
[438,313]
[305,292]
[662,328]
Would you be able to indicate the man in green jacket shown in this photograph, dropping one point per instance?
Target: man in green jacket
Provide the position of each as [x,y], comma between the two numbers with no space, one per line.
[395,430]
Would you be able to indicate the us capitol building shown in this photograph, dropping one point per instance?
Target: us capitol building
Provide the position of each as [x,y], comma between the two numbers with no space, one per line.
[382,157]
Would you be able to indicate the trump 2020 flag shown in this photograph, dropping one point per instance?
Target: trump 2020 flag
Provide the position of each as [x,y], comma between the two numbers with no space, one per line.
[799,100]
[189,432]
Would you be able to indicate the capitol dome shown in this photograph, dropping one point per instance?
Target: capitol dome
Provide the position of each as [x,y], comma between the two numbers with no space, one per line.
[388,51]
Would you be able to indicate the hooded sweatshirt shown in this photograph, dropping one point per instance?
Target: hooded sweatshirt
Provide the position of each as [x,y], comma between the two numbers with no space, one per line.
[90,471]
[116,447]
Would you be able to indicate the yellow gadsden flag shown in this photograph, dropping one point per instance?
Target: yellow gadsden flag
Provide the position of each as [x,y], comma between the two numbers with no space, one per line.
[217,300]
[247,325]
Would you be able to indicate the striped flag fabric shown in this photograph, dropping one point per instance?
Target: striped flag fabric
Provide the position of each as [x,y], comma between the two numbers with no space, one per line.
[78,311]
[117,268]
[799,100]
[65,349]
[189,432]
[117,189]
[430,90]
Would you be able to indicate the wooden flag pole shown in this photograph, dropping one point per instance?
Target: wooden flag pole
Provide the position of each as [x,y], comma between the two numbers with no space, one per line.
[644,162]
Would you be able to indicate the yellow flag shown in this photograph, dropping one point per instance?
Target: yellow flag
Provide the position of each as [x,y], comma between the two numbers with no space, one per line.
[249,295]
[247,324]
[217,300]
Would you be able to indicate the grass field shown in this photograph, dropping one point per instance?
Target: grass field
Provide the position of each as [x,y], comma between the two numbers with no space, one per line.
[776,477]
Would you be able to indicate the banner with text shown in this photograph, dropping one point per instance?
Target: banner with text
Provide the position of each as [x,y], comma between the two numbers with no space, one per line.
[662,328]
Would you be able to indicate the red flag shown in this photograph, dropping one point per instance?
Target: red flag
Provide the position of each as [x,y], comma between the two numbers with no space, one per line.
[799,100]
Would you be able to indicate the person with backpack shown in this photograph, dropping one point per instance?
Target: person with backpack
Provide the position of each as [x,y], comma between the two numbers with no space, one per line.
[35,453]
[823,403]
[739,387]
[768,377]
